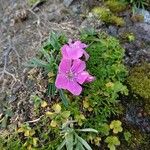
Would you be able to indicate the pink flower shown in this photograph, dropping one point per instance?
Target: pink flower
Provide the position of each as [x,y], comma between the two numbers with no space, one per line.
[71,75]
[74,50]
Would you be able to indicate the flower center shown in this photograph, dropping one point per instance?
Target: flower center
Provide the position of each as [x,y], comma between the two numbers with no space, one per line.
[70,75]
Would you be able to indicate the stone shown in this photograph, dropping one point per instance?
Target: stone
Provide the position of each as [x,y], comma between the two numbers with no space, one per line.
[67,3]
[112,30]
[91,22]
[143,31]
[11,98]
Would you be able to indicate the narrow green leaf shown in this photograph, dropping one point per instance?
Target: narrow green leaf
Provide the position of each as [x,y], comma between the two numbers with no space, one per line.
[69,141]
[63,97]
[37,63]
[53,89]
[83,142]
[88,130]
[46,55]
[79,146]
[61,145]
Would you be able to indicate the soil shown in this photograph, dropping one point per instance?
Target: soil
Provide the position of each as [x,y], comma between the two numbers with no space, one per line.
[22,31]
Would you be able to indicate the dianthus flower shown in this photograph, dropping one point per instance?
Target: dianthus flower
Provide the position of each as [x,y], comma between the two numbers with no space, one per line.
[74,50]
[71,75]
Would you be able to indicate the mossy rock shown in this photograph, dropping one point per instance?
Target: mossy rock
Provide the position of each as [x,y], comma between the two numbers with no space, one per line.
[139,80]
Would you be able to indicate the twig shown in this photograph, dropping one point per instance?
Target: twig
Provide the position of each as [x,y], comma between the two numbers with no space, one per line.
[36,120]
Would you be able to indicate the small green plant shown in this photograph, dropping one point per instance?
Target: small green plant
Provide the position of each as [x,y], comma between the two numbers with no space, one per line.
[48,60]
[31,140]
[72,139]
[116,126]
[128,37]
[127,136]
[7,114]
[137,4]
[106,64]
[57,116]
[10,141]
[86,119]
[112,142]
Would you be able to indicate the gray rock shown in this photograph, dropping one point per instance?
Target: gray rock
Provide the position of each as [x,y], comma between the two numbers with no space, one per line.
[67,3]
[112,30]
[143,31]
[91,22]
[11,98]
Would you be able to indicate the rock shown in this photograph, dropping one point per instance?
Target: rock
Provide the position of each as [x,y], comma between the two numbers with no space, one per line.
[91,22]
[112,30]
[132,117]
[11,98]
[2,96]
[67,3]
[142,31]
[79,7]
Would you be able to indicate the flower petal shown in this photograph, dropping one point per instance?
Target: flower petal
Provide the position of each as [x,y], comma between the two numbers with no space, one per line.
[74,88]
[78,66]
[61,82]
[64,52]
[79,44]
[82,77]
[89,79]
[86,55]
[65,66]
[74,53]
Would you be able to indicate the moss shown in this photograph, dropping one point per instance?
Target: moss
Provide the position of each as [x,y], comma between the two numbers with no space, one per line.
[116,6]
[128,37]
[32,2]
[137,18]
[139,80]
[118,21]
[107,16]
[105,63]
[103,13]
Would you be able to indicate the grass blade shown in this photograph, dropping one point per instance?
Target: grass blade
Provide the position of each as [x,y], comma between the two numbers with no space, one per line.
[63,97]
[83,142]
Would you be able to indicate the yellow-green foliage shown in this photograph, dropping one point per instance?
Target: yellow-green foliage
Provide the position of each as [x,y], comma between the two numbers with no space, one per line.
[107,16]
[117,21]
[139,80]
[32,2]
[128,36]
[103,13]
[116,6]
